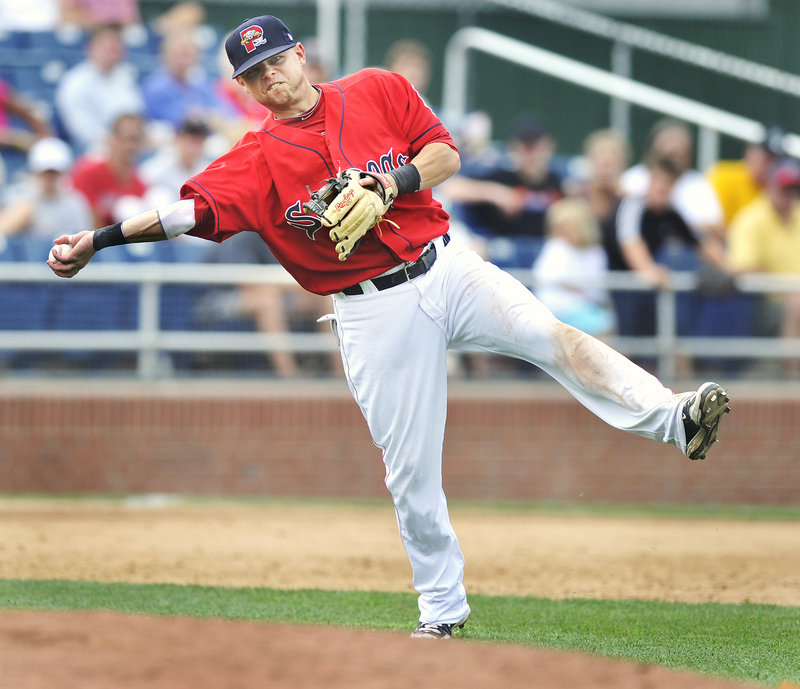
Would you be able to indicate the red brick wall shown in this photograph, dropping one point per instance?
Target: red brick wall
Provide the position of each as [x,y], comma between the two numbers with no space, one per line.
[527,442]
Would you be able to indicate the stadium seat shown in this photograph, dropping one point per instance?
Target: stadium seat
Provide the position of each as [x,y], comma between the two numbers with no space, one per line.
[25,305]
[190,251]
[514,252]
[10,249]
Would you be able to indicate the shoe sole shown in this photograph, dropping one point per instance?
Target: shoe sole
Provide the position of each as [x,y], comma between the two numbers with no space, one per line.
[713,403]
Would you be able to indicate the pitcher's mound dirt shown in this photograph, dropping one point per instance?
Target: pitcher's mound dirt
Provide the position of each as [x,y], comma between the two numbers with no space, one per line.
[104,650]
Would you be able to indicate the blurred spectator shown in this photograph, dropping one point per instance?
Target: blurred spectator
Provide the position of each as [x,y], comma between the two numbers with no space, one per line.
[94,92]
[509,203]
[180,88]
[646,226]
[606,155]
[480,154]
[181,15]
[738,182]
[568,272]
[31,15]
[315,68]
[91,14]
[692,195]
[765,238]
[13,105]
[106,179]
[411,59]
[165,172]
[647,235]
[43,206]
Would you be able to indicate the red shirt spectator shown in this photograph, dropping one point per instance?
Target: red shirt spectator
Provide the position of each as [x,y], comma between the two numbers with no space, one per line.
[106,180]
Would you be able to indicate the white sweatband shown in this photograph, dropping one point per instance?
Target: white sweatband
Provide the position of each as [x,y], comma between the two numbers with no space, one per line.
[177,218]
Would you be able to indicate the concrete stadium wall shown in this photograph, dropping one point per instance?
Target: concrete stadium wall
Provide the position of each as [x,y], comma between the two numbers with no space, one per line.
[514,441]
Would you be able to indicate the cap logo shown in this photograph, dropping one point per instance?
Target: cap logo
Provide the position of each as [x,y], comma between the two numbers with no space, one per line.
[252,37]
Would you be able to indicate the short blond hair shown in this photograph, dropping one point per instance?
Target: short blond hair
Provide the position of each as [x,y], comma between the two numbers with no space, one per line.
[608,137]
[576,212]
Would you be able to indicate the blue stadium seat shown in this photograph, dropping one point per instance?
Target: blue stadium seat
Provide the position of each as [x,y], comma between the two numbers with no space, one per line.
[15,164]
[33,249]
[17,40]
[190,251]
[25,305]
[10,249]
[514,252]
[80,306]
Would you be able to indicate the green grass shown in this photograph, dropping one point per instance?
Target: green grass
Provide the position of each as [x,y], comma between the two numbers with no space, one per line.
[566,507]
[757,643]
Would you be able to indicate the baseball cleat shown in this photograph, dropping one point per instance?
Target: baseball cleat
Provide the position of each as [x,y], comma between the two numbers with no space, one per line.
[701,417]
[437,630]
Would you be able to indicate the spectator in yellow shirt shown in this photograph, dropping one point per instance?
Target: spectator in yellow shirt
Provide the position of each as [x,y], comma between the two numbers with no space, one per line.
[765,238]
[738,182]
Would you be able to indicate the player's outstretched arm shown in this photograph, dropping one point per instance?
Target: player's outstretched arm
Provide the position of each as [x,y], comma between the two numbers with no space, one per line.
[71,253]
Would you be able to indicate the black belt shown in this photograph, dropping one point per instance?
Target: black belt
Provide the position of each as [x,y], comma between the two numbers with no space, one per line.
[422,265]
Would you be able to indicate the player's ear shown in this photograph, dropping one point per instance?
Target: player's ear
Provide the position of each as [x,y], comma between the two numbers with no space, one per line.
[241,83]
[300,51]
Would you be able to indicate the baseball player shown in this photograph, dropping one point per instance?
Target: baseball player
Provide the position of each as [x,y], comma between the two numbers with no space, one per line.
[374,238]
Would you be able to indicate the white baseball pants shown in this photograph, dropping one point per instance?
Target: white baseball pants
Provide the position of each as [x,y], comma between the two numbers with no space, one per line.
[394,347]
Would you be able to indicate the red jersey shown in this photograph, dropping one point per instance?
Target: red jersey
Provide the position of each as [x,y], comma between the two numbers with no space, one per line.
[96,180]
[372,120]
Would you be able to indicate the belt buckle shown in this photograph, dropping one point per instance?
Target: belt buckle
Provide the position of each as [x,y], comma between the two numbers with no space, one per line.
[423,259]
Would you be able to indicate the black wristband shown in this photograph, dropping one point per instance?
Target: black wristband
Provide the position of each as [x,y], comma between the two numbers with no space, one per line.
[407,178]
[110,235]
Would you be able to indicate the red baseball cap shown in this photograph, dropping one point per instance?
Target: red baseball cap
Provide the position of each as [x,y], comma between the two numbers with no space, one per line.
[785,173]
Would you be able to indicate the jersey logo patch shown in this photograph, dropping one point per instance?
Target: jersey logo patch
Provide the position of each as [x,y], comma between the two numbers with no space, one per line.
[388,161]
[252,37]
[302,221]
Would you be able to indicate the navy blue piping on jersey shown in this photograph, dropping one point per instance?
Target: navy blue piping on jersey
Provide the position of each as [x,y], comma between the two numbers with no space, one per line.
[402,236]
[307,148]
[213,200]
[433,126]
[341,124]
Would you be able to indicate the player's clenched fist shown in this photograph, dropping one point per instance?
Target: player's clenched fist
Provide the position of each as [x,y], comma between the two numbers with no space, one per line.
[351,204]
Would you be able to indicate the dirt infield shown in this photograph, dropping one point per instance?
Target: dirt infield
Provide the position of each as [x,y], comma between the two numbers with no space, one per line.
[290,545]
[95,651]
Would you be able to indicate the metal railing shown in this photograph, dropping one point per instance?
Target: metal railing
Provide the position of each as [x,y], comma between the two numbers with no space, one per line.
[712,121]
[150,342]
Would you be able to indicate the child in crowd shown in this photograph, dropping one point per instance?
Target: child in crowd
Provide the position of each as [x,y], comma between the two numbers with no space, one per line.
[569,271]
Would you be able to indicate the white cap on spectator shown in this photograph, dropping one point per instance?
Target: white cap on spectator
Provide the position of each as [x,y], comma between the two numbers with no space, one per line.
[49,153]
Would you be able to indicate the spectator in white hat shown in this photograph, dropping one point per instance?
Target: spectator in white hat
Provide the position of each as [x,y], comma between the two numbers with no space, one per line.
[44,205]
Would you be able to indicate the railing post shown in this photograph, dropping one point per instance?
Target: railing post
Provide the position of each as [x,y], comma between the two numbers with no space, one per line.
[620,109]
[148,358]
[666,332]
[707,147]
[355,42]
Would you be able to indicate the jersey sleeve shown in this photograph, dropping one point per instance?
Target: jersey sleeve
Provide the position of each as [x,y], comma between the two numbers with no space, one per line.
[416,118]
[227,196]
